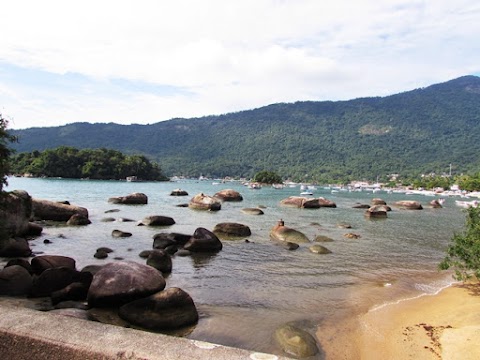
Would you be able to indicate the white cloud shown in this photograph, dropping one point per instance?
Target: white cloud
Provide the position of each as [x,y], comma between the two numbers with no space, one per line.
[215,56]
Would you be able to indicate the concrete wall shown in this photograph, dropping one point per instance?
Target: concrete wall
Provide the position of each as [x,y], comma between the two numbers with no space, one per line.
[31,334]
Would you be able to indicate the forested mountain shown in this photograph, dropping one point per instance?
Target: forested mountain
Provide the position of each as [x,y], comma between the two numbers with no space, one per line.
[414,132]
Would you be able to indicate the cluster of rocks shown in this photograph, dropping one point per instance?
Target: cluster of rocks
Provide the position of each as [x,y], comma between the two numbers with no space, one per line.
[135,291]
[308,203]
[378,208]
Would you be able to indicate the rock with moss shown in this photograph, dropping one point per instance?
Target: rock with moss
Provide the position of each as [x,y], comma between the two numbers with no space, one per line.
[280,232]
[295,341]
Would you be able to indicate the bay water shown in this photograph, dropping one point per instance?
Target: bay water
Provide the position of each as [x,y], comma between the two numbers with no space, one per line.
[244,292]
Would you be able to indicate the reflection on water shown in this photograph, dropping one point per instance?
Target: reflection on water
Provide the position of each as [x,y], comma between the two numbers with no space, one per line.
[249,288]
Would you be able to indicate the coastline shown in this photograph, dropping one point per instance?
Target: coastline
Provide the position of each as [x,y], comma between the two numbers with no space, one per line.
[445,326]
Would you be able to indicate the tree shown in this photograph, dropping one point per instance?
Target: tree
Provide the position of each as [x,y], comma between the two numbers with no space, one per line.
[5,151]
[267,177]
[463,254]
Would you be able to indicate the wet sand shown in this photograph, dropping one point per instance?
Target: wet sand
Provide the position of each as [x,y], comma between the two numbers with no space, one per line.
[443,326]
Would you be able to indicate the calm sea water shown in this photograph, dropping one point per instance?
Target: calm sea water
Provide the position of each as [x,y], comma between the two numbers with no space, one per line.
[248,289]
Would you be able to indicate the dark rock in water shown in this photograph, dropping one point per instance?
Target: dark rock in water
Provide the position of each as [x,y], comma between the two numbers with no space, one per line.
[319,249]
[166,238]
[229,229]
[182,205]
[120,234]
[22,262]
[78,220]
[361,206]
[131,199]
[122,219]
[203,240]
[121,282]
[145,254]
[47,241]
[158,220]
[15,247]
[287,245]
[178,192]
[228,195]
[352,236]
[205,202]
[343,225]
[76,291]
[108,219]
[52,210]
[44,262]
[55,279]
[111,211]
[172,249]
[170,309]
[100,254]
[436,204]
[160,260]
[252,211]
[105,249]
[295,341]
[15,280]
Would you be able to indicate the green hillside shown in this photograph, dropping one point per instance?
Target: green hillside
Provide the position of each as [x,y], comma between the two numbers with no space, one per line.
[414,132]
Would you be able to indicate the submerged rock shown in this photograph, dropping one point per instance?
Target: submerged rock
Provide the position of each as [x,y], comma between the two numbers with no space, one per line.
[228,229]
[409,205]
[203,240]
[295,341]
[252,211]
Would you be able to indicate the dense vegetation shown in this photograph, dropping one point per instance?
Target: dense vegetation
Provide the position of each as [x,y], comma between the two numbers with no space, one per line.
[420,131]
[5,150]
[463,254]
[73,163]
[267,177]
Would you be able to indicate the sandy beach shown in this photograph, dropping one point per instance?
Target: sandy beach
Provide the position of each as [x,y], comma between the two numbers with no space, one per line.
[443,326]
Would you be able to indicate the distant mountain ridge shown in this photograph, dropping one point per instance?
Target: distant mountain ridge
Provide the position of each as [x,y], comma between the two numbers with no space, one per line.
[422,130]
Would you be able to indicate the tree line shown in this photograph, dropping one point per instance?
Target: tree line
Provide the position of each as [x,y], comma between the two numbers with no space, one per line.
[70,162]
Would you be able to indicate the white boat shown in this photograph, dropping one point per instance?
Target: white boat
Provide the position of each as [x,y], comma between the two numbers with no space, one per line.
[132,179]
[467,204]
[306,192]
[255,186]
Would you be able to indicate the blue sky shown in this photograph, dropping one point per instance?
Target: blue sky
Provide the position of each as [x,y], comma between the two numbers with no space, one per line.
[148,61]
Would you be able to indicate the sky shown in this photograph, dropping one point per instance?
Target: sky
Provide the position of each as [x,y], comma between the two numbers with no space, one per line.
[145,61]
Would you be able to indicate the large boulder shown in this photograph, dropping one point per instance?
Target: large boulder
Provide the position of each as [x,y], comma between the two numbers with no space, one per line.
[15,213]
[170,309]
[158,220]
[280,232]
[131,199]
[121,282]
[15,280]
[205,202]
[377,201]
[56,211]
[229,195]
[295,341]
[319,249]
[307,203]
[409,205]
[15,247]
[203,240]
[41,263]
[229,229]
